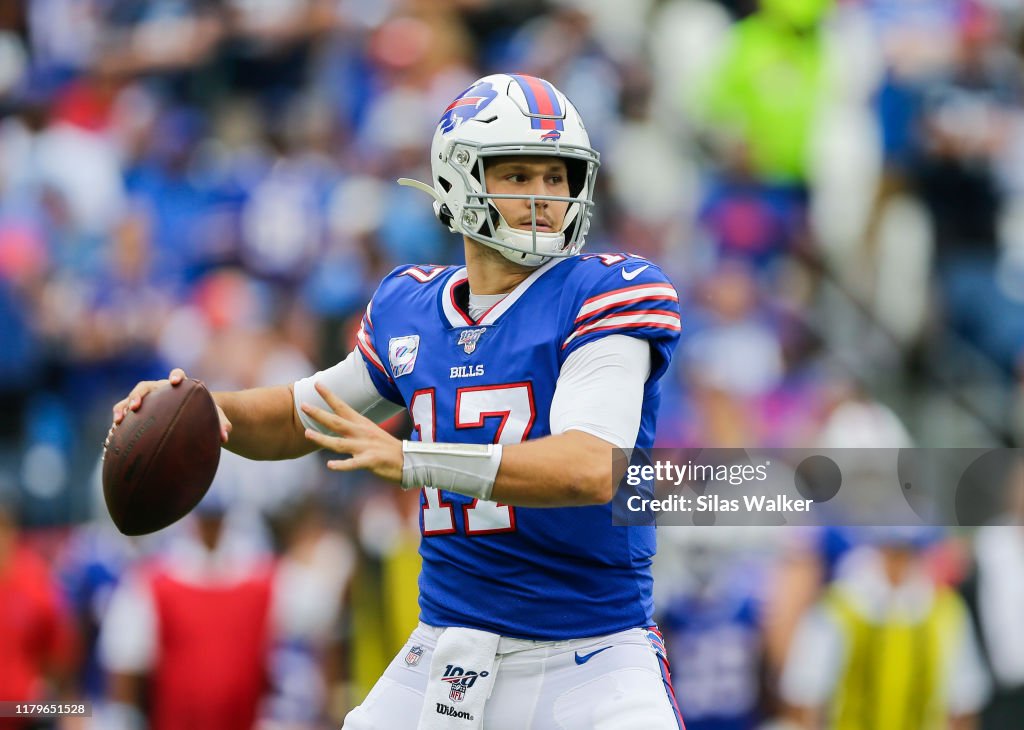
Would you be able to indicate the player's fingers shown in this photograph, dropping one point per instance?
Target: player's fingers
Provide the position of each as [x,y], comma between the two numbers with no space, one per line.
[353,464]
[333,443]
[118,410]
[141,390]
[331,421]
[337,404]
[225,425]
[134,399]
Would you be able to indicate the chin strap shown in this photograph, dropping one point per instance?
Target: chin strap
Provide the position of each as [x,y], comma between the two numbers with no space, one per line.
[422,186]
[440,208]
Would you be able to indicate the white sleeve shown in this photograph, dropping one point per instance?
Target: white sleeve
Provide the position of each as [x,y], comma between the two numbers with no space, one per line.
[127,640]
[814,661]
[600,390]
[350,381]
[967,684]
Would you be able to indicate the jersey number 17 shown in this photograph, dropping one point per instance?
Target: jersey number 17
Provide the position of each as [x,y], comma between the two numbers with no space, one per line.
[513,404]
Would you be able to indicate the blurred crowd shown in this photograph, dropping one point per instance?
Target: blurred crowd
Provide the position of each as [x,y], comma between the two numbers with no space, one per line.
[835,187]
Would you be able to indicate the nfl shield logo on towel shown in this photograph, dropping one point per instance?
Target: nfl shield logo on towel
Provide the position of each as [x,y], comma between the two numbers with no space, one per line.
[458,692]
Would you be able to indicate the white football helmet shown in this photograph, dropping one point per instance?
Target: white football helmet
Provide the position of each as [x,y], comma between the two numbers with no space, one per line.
[503,115]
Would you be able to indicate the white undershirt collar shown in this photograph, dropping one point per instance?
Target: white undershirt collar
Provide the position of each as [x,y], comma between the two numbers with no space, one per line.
[480,303]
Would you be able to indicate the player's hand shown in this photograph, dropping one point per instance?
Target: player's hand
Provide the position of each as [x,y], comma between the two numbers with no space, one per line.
[134,401]
[371,447]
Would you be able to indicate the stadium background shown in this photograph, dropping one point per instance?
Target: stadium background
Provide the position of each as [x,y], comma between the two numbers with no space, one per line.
[835,187]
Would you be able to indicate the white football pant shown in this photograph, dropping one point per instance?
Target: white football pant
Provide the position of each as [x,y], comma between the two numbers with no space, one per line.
[614,682]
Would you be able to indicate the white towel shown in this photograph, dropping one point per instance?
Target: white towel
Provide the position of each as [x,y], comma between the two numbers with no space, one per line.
[462,673]
[1000,552]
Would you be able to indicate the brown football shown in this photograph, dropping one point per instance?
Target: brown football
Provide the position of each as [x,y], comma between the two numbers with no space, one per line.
[160,460]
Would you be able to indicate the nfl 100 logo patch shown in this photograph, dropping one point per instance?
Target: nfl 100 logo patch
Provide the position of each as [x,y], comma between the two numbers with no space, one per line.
[469,339]
[402,352]
[460,680]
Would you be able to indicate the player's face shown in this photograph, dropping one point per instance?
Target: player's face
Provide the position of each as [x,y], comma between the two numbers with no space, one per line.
[529,176]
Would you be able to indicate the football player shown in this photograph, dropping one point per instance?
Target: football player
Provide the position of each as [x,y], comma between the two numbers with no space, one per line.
[521,370]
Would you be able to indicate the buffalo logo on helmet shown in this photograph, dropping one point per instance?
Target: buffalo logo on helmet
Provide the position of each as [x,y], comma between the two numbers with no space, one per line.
[468,104]
[553,136]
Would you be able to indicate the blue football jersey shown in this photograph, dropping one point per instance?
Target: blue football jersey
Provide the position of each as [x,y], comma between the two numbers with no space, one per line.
[536,573]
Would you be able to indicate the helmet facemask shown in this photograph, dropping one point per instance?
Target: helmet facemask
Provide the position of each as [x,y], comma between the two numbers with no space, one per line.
[495,118]
[482,221]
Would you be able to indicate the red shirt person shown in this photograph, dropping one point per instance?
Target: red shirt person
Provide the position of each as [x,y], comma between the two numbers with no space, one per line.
[197,623]
[37,646]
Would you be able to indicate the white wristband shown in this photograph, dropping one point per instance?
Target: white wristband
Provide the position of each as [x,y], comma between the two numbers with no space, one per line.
[468,469]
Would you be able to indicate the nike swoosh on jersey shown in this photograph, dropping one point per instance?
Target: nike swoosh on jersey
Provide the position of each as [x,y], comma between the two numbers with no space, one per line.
[586,657]
[630,275]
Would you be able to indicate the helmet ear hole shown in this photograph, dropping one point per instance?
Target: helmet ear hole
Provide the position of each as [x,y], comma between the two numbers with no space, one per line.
[577,173]
[445,184]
